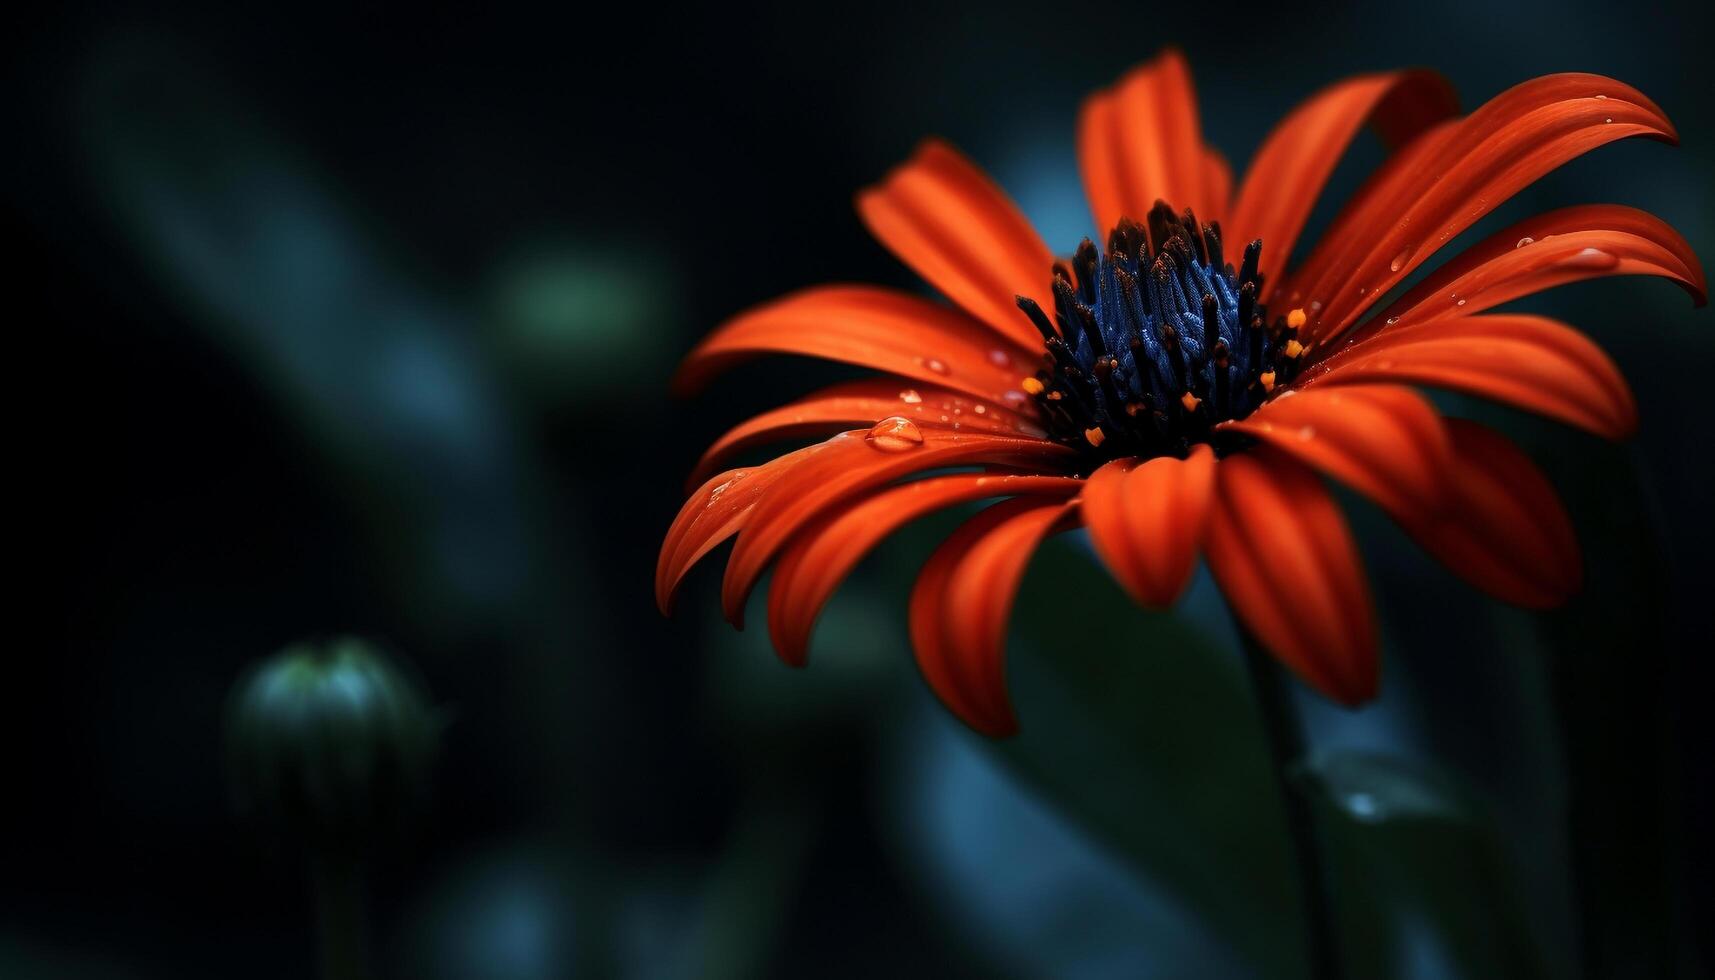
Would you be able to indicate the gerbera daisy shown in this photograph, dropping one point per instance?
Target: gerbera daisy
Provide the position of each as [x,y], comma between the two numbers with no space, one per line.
[1184,391]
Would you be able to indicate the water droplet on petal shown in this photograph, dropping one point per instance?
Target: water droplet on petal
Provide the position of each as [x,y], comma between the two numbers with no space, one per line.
[1400,260]
[1603,97]
[980,409]
[910,396]
[1393,319]
[1000,358]
[1307,433]
[1590,258]
[1526,240]
[1456,300]
[1013,397]
[895,435]
[1609,119]
[935,364]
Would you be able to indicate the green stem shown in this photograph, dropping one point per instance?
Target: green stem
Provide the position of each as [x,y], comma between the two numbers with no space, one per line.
[340,921]
[1284,732]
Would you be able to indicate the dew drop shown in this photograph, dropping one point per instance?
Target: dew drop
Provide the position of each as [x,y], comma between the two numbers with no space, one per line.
[895,435]
[1457,301]
[935,364]
[980,409]
[1013,397]
[1000,358]
[1400,260]
[910,397]
[1602,97]
[1526,240]
[1590,258]
[1393,319]
[1609,119]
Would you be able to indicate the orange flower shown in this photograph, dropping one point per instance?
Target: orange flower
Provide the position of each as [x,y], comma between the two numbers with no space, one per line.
[1204,401]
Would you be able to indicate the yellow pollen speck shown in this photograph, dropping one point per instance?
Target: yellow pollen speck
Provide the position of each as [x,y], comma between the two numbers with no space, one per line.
[1190,401]
[1296,319]
[1032,386]
[1095,436]
[1293,348]
[1267,380]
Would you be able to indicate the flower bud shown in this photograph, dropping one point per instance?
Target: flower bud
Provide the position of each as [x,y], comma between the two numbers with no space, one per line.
[330,743]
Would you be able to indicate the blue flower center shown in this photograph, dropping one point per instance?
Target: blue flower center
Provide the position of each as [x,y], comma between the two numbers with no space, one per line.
[1157,345]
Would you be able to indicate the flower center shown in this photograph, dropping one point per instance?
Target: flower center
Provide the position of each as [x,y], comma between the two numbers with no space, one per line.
[1156,348]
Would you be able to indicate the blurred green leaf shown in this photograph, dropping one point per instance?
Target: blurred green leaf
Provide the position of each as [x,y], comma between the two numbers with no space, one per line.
[1421,883]
[1377,789]
[1142,730]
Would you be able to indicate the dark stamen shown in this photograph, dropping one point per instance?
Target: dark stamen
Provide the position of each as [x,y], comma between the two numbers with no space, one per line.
[1159,340]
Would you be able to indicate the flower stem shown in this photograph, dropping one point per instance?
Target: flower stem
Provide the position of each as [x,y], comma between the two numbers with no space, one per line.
[1284,732]
[340,924]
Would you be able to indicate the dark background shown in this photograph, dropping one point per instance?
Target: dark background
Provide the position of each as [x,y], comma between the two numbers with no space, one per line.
[332,320]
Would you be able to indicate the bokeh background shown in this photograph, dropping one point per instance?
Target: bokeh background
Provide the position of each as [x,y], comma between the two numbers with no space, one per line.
[335,320]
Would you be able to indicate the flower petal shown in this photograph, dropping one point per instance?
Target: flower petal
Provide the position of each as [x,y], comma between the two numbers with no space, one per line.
[1217,186]
[1504,529]
[821,556]
[1568,245]
[1146,520]
[1529,362]
[1294,163]
[864,402]
[714,512]
[961,604]
[848,466]
[1140,141]
[1505,145]
[1285,559]
[944,218]
[1384,441]
[870,327]
[1384,192]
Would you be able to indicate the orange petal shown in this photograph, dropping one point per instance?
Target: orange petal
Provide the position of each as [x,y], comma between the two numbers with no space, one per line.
[1505,145]
[864,402]
[1293,165]
[848,466]
[1568,245]
[870,327]
[714,512]
[943,217]
[1217,187]
[1146,520]
[821,556]
[1529,362]
[1504,530]
[1287,563]
[1140,141]
[961,604]
[1385,192]
[1384,441]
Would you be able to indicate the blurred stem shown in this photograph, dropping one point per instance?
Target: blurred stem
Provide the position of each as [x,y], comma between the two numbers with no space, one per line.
[340,922]
[1284,732]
